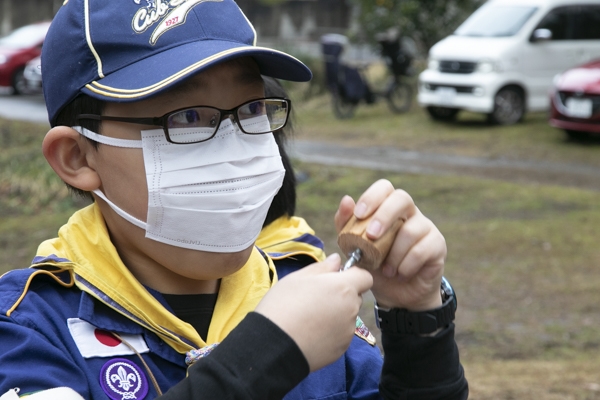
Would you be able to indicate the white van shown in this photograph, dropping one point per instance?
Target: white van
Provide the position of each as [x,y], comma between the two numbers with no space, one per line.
[502,59]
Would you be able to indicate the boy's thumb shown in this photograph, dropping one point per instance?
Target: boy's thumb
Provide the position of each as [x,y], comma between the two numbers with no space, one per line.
[333,262]
[330,264]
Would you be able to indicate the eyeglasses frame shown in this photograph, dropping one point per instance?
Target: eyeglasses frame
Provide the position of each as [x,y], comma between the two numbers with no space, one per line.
[162,120]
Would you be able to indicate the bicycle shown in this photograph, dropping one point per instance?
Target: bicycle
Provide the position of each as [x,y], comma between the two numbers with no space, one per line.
[348,84]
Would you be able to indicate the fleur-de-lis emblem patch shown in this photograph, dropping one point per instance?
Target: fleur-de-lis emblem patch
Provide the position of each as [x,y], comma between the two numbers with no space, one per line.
[122,379]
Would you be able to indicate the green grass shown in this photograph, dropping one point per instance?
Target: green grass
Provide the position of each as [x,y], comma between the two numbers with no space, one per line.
[524,259]
[34,202]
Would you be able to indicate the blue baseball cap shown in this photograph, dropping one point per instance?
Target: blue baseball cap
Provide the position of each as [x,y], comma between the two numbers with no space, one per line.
[129,50]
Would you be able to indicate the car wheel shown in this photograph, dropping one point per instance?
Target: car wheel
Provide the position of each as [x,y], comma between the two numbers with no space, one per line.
[509,107]
[442,113]
[19,83]
[577,135]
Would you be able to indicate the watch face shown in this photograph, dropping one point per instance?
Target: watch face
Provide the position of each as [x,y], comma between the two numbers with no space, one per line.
[447,291]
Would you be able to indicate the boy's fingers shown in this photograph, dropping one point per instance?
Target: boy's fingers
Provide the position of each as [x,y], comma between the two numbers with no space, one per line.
[372,198]
[331,264]
[344,212]
[359,278]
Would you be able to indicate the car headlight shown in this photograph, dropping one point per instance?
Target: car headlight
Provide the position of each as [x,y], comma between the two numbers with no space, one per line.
[433,64]
[556,80]
[3,59]
[486,66]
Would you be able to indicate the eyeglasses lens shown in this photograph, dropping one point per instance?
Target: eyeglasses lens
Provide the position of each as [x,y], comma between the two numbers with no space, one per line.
[193,124]
[198,124]
[262,116]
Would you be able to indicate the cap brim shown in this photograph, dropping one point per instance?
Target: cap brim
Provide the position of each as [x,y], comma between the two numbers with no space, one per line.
[157,73]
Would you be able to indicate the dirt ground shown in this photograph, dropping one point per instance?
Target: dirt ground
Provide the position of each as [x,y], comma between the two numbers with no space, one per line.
[392,159]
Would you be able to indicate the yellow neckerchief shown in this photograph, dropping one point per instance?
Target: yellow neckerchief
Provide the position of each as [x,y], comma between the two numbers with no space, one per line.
[289,236]
[86,250]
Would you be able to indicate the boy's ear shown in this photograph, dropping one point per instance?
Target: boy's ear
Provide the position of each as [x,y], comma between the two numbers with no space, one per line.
[66,152]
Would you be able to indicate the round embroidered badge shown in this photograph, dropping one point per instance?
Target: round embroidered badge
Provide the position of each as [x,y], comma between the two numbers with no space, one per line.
[122,379]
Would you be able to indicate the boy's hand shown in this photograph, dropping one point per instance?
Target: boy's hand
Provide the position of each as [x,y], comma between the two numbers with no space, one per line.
[411,274]
[317,307]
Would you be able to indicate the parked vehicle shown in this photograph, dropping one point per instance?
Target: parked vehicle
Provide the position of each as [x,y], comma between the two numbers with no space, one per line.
[348,84]
[502,59]
[33,75]
[575,101]
[16,49]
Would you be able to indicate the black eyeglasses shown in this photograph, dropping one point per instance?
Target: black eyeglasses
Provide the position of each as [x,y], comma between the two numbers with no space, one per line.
[201,123]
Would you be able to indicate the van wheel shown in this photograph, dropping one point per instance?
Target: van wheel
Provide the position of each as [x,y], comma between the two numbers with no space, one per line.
[509,107]
[443,113]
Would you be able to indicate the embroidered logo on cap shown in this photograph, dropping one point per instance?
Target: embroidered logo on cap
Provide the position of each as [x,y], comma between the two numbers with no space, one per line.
[170,14]
[122,379]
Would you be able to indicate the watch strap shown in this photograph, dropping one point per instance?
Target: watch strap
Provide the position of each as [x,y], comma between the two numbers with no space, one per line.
[402,321]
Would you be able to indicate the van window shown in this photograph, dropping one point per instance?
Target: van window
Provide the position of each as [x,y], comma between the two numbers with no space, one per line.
[590,23]
[573,23]
[495,21]
[561,22]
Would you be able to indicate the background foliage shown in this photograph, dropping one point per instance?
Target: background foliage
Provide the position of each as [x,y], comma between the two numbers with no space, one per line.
[424,21]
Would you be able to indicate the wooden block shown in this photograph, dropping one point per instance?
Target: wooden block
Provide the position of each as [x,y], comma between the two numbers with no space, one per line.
[354,236]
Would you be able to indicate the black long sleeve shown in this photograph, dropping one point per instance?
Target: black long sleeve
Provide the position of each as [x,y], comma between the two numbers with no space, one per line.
[424,368]
[256,361]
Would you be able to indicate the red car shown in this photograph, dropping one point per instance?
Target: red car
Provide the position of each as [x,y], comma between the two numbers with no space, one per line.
[575,101]
[16,49]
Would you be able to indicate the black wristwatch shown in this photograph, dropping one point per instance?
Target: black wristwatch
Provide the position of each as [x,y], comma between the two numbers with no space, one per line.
[402,321]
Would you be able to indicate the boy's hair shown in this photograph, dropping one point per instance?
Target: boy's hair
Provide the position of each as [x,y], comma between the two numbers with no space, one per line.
[284,202]
[82,104]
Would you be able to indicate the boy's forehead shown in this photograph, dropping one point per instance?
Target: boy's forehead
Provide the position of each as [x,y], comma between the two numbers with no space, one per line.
[242,74]
[242,71]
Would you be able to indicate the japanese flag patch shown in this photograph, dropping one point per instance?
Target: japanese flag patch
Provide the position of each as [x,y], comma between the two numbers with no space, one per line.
[94,342]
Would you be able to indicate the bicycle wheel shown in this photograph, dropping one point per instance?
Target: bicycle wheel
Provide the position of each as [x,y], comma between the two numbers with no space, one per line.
[399,97]
[342,108]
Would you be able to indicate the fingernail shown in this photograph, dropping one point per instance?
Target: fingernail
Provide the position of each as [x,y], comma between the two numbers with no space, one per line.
[374,228]
[360,210]
[388,271]
[334,257]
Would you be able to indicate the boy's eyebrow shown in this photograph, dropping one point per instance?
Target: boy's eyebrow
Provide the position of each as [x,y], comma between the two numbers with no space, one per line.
[246,77]
[249,77]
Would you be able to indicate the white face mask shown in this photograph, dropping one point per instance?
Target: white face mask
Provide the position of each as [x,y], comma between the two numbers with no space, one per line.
[210,196]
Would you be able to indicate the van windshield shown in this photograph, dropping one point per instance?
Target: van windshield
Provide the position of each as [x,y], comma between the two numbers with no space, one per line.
[496,21]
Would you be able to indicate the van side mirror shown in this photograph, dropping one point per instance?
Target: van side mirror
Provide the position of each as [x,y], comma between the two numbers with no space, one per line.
[541,35]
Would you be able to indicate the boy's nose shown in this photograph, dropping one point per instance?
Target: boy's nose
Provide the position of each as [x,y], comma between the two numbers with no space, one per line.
[232,118]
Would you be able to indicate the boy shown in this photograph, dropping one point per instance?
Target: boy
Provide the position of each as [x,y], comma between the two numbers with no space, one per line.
[158,110]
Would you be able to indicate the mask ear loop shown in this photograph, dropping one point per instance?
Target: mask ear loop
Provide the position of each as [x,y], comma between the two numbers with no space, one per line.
[123,214]
[131,144]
